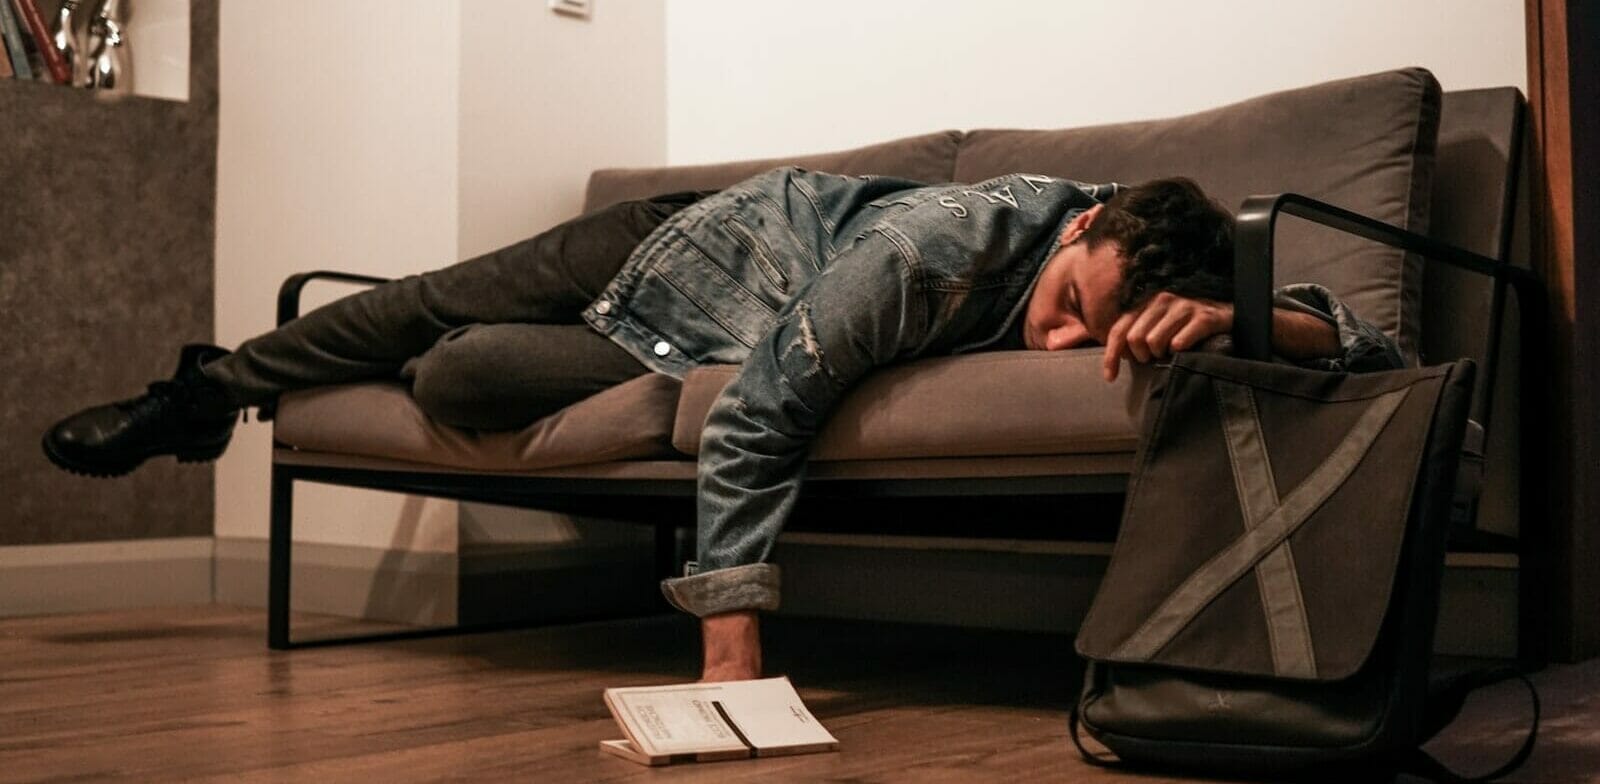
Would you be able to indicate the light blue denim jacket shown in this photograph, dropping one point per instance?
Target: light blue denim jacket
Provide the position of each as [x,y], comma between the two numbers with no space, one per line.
[712,281]
[810,281]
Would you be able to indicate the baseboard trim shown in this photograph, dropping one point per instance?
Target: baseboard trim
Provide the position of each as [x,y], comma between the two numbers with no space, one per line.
[400,586]
[984,583]
[44,579]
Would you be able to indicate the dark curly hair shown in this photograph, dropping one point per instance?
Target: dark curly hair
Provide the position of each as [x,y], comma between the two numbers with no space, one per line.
[1175,238]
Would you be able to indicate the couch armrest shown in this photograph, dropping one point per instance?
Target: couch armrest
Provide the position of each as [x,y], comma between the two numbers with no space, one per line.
[289,292]
[1252,271]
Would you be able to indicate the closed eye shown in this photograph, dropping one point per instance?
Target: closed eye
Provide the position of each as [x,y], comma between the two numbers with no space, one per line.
[1075,304]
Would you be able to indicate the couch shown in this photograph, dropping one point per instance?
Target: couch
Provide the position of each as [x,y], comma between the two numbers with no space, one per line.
[1405,161]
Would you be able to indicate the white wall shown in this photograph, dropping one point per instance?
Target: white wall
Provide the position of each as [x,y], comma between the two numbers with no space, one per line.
[158,47]
[759,79]
[396,137]
[337,150]
[545,99]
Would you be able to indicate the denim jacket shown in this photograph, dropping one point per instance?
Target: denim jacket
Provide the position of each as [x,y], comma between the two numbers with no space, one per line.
[810,281]
[706,286]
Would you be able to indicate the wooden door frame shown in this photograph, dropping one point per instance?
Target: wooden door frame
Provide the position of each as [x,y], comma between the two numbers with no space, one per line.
[1562,105]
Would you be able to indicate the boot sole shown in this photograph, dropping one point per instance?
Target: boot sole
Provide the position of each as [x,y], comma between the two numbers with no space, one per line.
[203,454]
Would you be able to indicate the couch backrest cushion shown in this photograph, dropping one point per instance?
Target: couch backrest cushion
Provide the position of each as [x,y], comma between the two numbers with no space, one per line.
[927,158]
[1366,144]
[1474,201]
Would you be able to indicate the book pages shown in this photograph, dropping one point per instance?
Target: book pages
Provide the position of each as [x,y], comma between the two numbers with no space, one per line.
[737,718]
[666,720]
[771,716]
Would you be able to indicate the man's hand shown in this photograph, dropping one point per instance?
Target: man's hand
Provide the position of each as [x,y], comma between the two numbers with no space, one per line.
[1166,323]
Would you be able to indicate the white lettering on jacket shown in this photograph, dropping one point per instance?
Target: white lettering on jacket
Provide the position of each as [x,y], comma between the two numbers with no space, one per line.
[1002,195]
[1033,181]
[956,208]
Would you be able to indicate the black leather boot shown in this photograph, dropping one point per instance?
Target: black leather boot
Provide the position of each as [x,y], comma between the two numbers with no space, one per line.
[190,416]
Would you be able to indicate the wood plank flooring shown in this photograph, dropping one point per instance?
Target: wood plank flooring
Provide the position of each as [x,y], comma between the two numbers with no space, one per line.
[193,694]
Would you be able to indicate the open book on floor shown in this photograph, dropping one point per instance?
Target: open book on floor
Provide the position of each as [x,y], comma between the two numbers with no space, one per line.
[702,722]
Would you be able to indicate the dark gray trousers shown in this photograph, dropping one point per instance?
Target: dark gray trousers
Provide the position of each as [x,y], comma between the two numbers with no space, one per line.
[491,343]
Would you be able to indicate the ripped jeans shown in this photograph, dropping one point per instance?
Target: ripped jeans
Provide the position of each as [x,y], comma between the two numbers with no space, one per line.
[863,311]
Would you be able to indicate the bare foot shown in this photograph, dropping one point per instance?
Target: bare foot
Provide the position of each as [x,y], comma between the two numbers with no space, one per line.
[732,645]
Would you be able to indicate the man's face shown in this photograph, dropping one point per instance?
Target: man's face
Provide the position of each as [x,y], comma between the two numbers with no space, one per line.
[1074,303]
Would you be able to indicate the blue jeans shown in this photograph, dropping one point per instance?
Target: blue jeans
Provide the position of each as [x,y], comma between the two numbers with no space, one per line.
[858,314]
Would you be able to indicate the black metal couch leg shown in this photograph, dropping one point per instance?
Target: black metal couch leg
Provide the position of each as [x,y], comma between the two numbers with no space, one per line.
[282,514]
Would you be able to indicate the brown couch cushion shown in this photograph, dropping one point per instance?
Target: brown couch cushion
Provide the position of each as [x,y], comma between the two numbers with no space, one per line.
[928,158]
[1366,144]
[997,403]
[628,421]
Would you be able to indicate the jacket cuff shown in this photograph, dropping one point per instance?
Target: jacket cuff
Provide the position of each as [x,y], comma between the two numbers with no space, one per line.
[736,588]
[1363,347]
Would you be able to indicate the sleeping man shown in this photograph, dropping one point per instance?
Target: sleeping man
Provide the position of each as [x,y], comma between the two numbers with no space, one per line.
[809,281]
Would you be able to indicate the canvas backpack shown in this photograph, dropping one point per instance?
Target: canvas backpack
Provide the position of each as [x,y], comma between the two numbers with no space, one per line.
[1270,603]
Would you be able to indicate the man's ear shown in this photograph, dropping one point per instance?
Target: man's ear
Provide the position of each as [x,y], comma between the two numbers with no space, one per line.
[1080,223]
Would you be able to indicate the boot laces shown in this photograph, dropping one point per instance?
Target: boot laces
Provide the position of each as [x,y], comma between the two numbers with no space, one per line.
[162,401]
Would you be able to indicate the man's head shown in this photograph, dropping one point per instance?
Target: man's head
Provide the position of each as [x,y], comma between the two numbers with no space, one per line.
[1162,235]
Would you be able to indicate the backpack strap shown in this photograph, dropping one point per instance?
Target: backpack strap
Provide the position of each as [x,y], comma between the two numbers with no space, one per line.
[1088,756]
[1445,704]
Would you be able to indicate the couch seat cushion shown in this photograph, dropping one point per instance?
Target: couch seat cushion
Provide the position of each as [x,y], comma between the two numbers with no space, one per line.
[379,419]
[928,158]
[973,405]
[1366,144]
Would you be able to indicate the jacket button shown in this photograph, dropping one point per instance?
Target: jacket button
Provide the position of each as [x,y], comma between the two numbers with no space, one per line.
[602,307]
[662,349]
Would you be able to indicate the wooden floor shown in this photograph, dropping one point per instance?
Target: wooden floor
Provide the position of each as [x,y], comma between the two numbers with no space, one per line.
[192,693]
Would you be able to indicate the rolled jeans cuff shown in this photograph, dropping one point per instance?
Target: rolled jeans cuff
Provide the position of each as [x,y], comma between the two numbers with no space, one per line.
[736,588]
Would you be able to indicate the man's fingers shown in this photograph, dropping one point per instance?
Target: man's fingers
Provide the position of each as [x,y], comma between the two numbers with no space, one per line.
[1207,321]
[1160,338]
[1165,324]
[1138,334]
[1116,345]
[1192,334]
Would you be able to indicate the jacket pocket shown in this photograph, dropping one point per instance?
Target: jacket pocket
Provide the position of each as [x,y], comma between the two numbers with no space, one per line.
[736,311]
[759,251]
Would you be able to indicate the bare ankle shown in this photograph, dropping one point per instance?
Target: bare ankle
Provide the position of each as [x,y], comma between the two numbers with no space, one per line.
[732,646]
